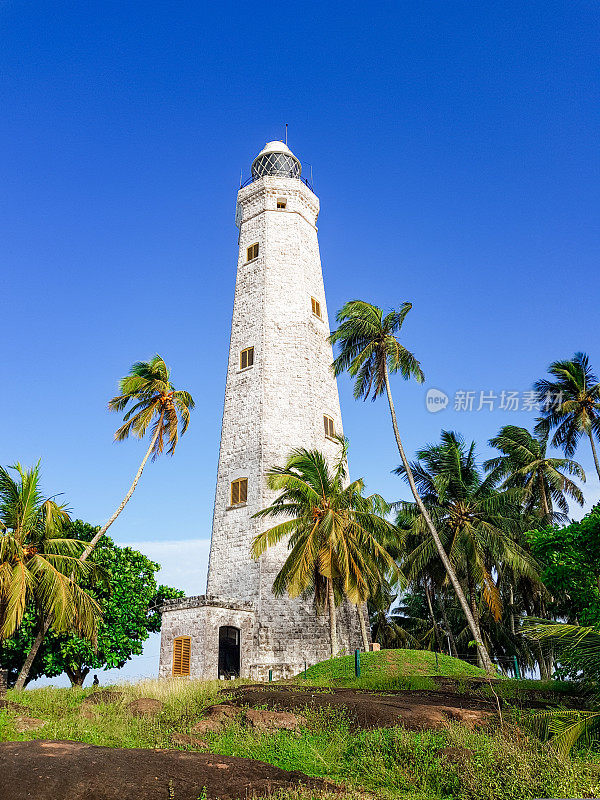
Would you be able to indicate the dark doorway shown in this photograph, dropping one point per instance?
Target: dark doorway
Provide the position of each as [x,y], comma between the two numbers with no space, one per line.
[229,652]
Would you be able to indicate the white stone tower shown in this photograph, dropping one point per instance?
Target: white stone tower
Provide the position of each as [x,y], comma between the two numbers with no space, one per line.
[280,394]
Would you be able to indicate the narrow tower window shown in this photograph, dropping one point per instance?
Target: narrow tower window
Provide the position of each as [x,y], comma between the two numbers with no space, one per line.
[252,252]
[181,655]
[281,202]
[239,491]
[247,358]
[329,428]
[316,307]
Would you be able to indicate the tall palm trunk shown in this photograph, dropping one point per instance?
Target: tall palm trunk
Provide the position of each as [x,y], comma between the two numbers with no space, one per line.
[544,499]
[594,453]
[483,653]
[442,605]
[37,643]
[436,631]
[24,673]
[332,620]
[127,497]
[361,611]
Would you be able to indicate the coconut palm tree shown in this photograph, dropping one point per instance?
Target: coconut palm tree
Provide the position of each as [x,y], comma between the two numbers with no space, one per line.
[524,464]
[369,350]
[579,647]
[37,564]
[153,403]
[336,536]
[570,405]
[477,523]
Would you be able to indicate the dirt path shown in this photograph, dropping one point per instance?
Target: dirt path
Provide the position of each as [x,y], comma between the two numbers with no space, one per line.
[414,710]
[47,770]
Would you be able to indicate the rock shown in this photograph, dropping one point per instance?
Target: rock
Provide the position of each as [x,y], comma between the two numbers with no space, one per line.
[218,717]
[145,707]
[23,724]
[470,717]
[187,740]
[264,720]
[96,698]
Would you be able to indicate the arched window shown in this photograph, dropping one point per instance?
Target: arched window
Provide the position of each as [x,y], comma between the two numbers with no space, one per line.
[181,655]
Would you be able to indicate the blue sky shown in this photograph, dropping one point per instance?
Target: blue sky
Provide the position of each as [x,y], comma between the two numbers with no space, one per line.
[454,148]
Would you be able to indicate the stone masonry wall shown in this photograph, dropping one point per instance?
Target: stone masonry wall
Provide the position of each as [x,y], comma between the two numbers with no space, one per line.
[270,408]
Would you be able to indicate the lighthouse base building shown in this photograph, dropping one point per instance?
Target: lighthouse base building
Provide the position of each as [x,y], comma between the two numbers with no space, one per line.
[280,395]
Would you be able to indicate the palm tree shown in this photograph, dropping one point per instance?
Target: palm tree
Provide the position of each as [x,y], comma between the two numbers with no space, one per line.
[570,405]
[580,648]
[37,564]
[524,464]
[369,352]
[476,522]
[335,534]
[154,402]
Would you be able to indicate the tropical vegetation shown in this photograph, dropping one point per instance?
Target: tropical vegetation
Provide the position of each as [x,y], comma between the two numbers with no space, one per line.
[336,535]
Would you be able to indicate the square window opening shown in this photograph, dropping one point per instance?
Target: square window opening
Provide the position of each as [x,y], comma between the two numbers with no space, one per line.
[281,203]
[316,307]
[247,358]
[329,426]
[239,491]
[252,252]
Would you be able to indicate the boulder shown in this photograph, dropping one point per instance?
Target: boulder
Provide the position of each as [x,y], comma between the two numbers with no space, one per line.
[264,720]
[23,724]
[96,698]
[217,718]
[187,740]
[145,707]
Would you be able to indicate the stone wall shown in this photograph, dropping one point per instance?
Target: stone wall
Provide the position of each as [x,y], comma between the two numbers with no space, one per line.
[270,408]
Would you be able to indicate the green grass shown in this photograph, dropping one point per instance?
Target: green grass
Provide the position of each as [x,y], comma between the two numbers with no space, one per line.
[391,763]
[390,669]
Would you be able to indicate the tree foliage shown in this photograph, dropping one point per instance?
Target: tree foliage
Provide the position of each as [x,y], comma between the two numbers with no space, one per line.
[570,567]
[129,605]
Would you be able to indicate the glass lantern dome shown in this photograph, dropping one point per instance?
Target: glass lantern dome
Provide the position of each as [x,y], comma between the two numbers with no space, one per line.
[276,159]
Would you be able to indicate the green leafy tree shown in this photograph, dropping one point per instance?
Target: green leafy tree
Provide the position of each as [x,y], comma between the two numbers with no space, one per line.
[525,464]
[335,534]
[153,403]
[129,602]
[369,350]
[39,565]
[570,405]
[569,559]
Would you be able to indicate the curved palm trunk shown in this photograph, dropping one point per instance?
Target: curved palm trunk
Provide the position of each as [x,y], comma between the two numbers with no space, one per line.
[483,653]
[332,619]
[37,643]
[127,497]
[20,683]
[361,611]
[594,453]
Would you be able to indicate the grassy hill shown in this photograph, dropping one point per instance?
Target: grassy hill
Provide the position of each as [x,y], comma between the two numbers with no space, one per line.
[386,667]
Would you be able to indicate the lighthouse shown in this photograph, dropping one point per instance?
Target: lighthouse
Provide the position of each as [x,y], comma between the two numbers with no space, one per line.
[280,394]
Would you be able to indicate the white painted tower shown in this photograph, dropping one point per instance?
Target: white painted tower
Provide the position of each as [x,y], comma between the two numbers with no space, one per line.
[280,394]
